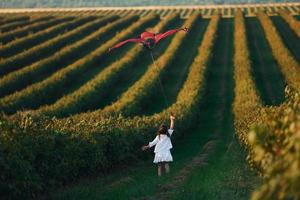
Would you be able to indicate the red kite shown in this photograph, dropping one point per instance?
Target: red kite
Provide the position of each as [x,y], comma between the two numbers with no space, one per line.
[148,39]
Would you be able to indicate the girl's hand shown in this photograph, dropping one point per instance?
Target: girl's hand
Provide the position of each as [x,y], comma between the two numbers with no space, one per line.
[172,117]
[145,147]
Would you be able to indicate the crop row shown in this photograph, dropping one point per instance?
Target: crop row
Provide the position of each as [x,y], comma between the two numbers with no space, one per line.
[13,19]
[38,52]
[18,25]
[39,24]
[37,93]
[246,101]
[289,66]
[95,89]
[293,23]
[23,43]
[10,26]
[130,101]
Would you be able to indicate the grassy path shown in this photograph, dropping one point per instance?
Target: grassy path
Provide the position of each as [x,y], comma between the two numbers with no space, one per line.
[289,37]
[139,180]
[175,76]
[266,72]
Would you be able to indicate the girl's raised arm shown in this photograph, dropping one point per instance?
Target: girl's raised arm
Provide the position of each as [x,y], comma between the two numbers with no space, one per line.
[172,118]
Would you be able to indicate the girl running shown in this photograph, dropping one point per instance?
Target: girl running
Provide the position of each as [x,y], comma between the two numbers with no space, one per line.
[163,145]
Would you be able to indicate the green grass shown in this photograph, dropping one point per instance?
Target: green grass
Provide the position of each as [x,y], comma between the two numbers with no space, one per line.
[289,37]
[139,180]
[267,75]
[226,176]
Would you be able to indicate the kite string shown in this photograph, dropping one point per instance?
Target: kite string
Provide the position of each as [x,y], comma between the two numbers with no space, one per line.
[160,84]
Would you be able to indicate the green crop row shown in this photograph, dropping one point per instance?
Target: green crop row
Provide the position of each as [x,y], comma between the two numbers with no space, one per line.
[14,19]
[23,43]
[246,101]
[289,66]
[130,101]
[14,25]
[21,24]
[33,54]
[39,24]
[293,23]
[37,93]
[95,89]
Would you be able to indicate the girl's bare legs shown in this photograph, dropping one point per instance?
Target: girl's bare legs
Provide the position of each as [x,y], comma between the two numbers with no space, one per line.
[159,169]
[167,167]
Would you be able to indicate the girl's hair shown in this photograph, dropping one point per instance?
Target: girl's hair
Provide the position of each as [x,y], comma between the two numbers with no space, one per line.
[163,130]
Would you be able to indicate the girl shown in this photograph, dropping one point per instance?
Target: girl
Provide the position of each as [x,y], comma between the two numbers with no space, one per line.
[163,145]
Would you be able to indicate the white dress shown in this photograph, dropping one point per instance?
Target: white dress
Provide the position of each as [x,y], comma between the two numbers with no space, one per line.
[162,148]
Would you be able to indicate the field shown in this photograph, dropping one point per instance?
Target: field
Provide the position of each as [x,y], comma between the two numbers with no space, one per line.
[74,116]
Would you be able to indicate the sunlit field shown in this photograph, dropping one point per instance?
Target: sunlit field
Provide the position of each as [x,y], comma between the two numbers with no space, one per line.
[74,115]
